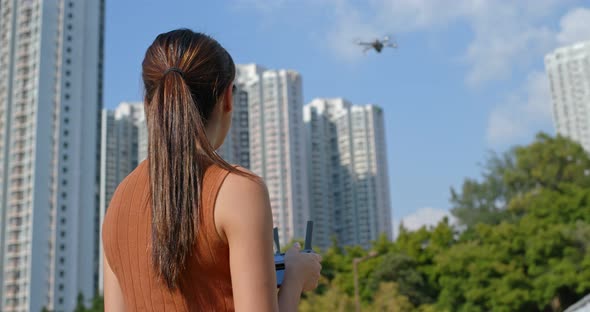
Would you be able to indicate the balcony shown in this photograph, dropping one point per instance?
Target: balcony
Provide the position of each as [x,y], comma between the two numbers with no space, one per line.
[16,213]
[17,173]
[16,252]
[21,113]
[11,268]
[22,62]
[11,295]
[17,200]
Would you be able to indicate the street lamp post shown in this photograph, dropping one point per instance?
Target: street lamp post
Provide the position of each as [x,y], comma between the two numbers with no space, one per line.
[355,262]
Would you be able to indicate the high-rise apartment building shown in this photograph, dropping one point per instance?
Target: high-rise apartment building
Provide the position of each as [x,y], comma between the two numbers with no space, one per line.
[119,148]
[51,64]
[142,138]
[236,147]
[568,69]
[119,153]
[348,179]
[277,146]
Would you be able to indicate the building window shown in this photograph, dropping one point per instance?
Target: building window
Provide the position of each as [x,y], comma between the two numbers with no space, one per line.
[67,108]
[63,207]
[63,220]
[61,273]
[61,300]
[67,96]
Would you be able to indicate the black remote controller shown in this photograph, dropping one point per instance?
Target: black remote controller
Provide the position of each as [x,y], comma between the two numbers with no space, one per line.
[280,257]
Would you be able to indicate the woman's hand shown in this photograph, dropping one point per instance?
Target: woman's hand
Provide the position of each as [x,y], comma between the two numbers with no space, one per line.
[302,268]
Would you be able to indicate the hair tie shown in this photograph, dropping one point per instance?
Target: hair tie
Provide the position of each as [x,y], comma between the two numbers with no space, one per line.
[174,69]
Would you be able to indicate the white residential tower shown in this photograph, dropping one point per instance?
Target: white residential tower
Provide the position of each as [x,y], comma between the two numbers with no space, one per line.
[348,174]
[51,61]
[277,146]
[236,147]
[568,69]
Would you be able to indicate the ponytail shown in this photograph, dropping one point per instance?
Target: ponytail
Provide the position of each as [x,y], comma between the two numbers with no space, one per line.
[174,172]
[178,103]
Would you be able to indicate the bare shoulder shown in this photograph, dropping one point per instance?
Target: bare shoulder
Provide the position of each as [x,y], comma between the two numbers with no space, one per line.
[242,202]
[241,183]
[138,175]
[246,171]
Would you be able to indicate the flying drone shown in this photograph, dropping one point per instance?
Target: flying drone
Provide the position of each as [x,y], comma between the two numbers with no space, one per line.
[378,44]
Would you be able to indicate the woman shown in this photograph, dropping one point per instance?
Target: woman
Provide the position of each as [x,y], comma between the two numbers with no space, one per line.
[186,231]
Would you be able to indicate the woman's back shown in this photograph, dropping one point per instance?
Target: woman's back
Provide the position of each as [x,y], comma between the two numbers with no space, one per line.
[205,284]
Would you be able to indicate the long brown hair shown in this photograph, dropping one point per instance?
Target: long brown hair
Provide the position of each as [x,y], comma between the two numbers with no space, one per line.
[185,75]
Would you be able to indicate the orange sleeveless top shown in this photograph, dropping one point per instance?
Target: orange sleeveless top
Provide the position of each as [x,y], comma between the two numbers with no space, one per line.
[126,234]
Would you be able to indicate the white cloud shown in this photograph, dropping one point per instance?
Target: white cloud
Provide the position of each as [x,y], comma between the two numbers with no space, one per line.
[575,26]
[494,54]
[522,114]
[422,217]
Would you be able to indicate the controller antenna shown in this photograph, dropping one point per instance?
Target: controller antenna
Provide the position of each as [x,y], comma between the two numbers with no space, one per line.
[275,232]
[308,235]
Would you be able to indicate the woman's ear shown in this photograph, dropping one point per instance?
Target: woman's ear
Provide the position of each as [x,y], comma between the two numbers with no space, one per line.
[228,100]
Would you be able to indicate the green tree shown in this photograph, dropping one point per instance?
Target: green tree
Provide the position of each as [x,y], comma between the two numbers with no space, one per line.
[80,307]
[97,304]
[484,201]
[402,270]
[549,163]
[389,299]
[531,253]
[333,299]
[538,263]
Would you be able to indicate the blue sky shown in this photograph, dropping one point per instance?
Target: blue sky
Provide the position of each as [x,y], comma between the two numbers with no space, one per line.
[467,78]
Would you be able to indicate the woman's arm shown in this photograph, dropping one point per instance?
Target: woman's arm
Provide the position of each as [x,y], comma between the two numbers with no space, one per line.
[113,296]
[244,218]
[290,291]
